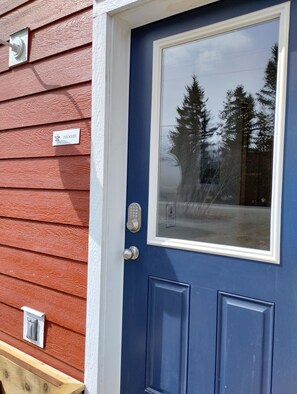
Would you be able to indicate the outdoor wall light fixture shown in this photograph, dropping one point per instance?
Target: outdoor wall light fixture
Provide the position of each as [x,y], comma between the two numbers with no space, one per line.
[18,47]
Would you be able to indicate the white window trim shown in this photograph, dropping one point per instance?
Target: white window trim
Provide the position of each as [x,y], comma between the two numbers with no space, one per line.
[281,11]
[112,24]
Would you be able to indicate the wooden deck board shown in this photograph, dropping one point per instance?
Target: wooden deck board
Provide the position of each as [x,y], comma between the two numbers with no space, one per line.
[21,373]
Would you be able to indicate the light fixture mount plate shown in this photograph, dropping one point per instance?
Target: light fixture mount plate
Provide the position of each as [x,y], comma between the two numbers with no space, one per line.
[21,39]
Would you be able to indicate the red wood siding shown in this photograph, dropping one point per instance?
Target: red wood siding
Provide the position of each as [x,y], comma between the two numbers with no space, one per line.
[71,172]
[8,5]
[62,104]
[44,135]
[44,190]
[49,205]
[40,13]
[47,271]
[47,41]
[52,73]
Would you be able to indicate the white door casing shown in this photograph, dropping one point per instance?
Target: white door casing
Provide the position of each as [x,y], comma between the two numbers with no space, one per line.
[112,24]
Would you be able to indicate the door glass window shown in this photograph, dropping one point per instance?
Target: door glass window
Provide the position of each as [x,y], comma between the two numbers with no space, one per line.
[216,137]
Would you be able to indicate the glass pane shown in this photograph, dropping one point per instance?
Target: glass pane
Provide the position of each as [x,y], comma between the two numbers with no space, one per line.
[216,138]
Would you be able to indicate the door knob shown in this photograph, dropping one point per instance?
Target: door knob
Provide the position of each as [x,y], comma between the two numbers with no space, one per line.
[131,254]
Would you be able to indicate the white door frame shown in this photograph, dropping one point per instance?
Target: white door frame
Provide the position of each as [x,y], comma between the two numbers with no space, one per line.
[112,24]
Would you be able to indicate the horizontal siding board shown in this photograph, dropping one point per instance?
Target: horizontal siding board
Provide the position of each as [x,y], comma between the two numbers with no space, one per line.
[76,31]
[37,141]
[44,108]
[65,207]
[55,273]
[71,173]
[42,355]
[52,239]
[69,347]
[60,343]
[8,5]
[40,13]
[62,309]
[59,71]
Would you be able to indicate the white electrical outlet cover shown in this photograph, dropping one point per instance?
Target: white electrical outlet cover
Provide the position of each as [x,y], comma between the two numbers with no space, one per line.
[40,316]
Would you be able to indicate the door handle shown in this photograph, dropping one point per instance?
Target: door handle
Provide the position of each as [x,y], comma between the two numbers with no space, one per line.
[131,253]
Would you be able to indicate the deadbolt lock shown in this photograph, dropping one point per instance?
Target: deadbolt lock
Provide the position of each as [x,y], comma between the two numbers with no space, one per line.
[134,217]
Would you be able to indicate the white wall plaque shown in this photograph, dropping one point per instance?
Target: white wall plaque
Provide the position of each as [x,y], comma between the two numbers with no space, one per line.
[66,137]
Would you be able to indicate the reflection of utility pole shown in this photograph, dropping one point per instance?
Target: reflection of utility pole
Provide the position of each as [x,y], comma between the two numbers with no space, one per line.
[244,150]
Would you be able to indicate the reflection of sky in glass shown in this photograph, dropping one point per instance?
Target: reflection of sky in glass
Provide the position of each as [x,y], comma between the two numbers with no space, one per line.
[220,63]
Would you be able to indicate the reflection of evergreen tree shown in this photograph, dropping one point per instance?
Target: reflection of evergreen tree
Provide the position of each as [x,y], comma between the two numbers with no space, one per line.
[190,139]
[242,143]
[266,98]
[247,140]
[238,120]
[237,127]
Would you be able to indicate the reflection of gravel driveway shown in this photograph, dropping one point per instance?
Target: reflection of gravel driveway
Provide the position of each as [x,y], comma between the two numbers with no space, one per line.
[223,224]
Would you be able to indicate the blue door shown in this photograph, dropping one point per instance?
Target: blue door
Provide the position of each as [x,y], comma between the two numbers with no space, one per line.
[210,303]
